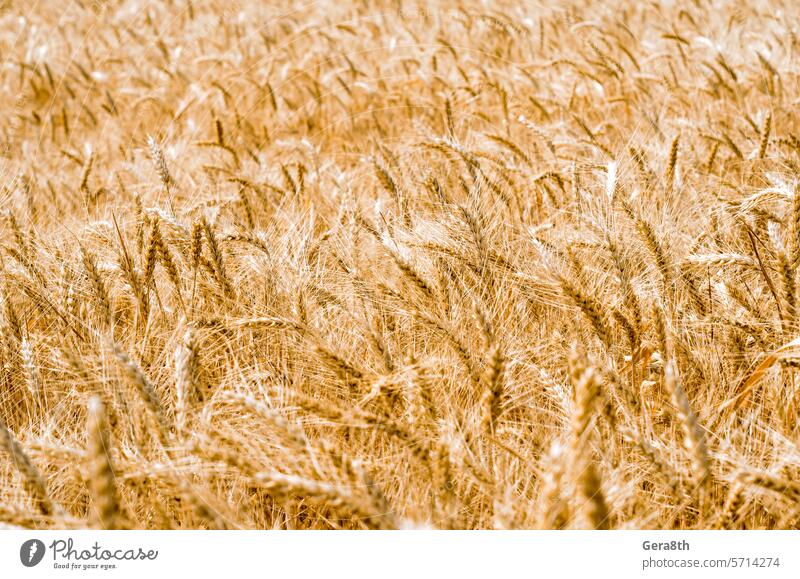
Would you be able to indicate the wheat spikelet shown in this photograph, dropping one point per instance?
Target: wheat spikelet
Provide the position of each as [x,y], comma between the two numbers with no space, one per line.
[300,443]
[630,331]
[595,507]
[217,259]
[160,163]
[98,285]
[286,486]
[196,254]
[794,228]
[410,272]
[31,476]
[265,322]
[151,257]
[587,479]
[198,505]
[672,164]
[390,185]
[657,250]
[294,435]
[186,386]
[167,261]
[346,371]
[723,260]
[249,239]
[248,208]
[217,446]
[456,345]
[665,472]
[775,484]
[789,282]
[693,436]
[765,130]
[418,446]
[591,309]
[585,392]
[727,519]
[492,397]
[712,156]
[20,238]
[425,407]
[105,503]
[32,376]
[196,243]
[554,509]
[85,174]
[12,320]
[662,332]
[145,389]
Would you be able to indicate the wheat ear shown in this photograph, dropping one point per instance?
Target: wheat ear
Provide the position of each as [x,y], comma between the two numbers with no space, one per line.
[31,476]
[103,485]
[693,436]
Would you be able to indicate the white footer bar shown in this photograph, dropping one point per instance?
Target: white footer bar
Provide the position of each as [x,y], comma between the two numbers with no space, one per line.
[406,554]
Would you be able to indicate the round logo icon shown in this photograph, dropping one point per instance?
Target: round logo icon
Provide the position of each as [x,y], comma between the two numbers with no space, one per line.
[32,552]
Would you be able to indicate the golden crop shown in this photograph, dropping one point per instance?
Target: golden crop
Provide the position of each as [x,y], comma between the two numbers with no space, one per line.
[391,264]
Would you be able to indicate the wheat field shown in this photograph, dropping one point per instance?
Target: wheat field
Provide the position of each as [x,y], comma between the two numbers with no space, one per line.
[376,264]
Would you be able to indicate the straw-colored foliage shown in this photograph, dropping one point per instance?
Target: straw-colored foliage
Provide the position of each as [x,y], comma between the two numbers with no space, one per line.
[398,264]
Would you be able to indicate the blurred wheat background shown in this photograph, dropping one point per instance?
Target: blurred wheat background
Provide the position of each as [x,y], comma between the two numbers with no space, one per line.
[397,264]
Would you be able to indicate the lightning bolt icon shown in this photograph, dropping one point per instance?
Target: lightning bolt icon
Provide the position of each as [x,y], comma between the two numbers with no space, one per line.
[34,548]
